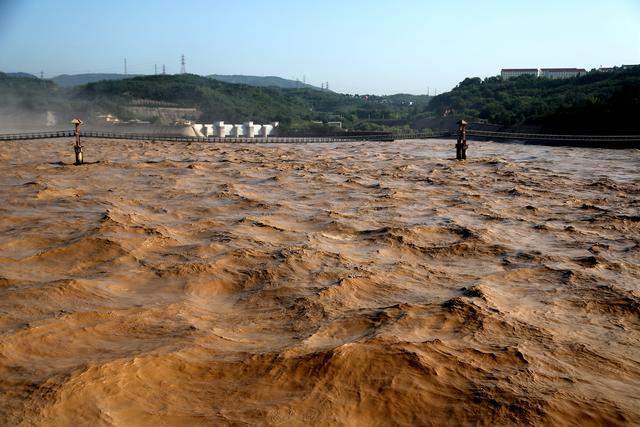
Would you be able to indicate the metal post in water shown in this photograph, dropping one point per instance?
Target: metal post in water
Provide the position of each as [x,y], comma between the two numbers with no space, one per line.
[77,146]
[461,145]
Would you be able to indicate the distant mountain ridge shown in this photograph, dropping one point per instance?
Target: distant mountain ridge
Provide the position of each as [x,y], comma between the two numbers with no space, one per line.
[22,75]
[70,80]
[262,81]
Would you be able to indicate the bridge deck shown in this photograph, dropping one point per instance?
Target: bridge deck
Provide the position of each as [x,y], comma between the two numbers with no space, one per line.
[175,138]
[599,140]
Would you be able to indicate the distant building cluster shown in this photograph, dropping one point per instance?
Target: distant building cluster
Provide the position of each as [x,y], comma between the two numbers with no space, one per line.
[334,124]
[549,73]
[556,73]
[510,73]
[623,67]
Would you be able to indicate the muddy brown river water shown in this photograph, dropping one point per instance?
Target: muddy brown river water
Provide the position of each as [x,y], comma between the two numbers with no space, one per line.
[320,284]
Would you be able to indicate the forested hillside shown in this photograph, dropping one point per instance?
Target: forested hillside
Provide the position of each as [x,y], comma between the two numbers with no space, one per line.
[70,80]
[29,93]
[238,102]
[262,81]
[596,102]
[600,102]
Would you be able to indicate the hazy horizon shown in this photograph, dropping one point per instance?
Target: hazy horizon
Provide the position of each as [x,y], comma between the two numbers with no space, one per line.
[358,47]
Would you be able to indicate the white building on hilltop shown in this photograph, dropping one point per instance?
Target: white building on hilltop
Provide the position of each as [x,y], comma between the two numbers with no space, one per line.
[510,73]
[562,73]
[549,73]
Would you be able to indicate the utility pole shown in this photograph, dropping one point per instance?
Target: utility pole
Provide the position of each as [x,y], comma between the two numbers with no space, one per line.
[183,67]
[164,70]
[125,66]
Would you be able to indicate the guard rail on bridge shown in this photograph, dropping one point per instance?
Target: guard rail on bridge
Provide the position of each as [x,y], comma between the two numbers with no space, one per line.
[595,140]
[552,137]
[174,138]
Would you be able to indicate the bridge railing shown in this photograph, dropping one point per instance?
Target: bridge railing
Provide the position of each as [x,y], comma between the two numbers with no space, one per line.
[178,138]
[552,137]
[36,135]
[325,139]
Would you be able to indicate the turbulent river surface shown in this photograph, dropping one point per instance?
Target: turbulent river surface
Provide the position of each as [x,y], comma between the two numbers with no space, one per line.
[320,284]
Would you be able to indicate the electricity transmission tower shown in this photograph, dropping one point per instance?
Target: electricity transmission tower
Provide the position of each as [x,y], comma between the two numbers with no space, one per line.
[125,66]
[183,67]
[164,70]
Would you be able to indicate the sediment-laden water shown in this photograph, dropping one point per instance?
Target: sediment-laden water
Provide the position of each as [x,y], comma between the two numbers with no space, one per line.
[353,284]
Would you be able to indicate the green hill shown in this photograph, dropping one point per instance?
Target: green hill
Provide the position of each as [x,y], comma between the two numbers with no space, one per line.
[28,93]
[135,97]
[70,80]
[240,102]
[260,81]
[22,75]
[600,102]
[216,100]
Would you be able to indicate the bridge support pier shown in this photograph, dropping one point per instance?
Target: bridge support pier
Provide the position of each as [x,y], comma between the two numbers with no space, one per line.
[461,145]
[77,146]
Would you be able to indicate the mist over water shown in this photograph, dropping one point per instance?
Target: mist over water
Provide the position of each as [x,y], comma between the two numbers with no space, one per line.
[353,283]
[29,121]
[33,107]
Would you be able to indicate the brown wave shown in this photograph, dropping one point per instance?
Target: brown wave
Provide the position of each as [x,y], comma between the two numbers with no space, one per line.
[356,284]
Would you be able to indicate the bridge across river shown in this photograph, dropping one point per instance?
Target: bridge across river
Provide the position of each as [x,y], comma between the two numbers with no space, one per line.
[606,141]
[180,138]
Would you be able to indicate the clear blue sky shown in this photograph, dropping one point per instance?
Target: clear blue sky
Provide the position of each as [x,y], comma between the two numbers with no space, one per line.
[358,46]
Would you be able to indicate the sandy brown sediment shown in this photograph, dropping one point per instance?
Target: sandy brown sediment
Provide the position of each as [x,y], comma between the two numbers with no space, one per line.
[353,284]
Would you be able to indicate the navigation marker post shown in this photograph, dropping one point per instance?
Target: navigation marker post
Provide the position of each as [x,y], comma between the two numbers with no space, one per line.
[77,146]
